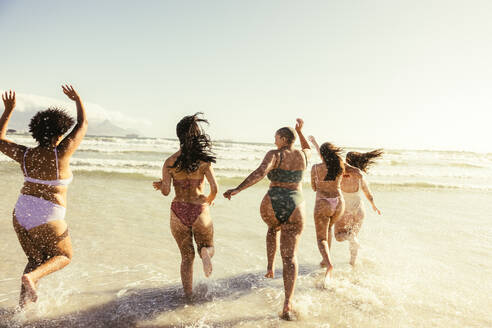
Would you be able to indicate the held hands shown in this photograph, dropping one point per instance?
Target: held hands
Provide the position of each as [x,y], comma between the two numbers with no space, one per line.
[9,100]
[70,92]
[157,184]
[231,192]
[299,124]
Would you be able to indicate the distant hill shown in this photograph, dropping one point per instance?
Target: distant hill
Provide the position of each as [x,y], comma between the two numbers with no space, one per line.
[106,128]
[20,122]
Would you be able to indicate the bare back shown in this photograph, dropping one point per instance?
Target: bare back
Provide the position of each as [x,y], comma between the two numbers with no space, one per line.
[188,187]
[40,163]
[351,179]
[289,160]
[330,188]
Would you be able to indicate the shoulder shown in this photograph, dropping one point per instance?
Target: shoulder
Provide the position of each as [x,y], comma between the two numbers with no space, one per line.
[204,166]
[171,160]
[272,153]
[353,171]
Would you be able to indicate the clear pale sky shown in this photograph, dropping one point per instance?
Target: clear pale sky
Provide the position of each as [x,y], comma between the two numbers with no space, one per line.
[405,74]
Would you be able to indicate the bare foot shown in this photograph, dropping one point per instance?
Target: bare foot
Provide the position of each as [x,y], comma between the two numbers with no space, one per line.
[328,277]
[288,314]
[207,262]
[29,294]
[188,298]
[322,264]
[270,274]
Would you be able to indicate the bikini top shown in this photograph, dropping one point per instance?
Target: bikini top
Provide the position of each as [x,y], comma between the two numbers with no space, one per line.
[187,183]
[282,175]
[57,182]
[316,176]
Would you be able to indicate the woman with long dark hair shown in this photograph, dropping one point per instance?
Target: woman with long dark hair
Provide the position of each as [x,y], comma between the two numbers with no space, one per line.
[348,227]
[283,207]
[326,179]
[190,214]
[39,214]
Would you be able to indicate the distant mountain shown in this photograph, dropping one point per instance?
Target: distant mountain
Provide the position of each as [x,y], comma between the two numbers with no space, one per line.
[20,122]
[106,128]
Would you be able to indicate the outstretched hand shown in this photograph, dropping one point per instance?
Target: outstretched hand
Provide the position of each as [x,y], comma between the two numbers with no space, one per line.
[9,100]
[299,124]
[312,139]
[231,192]
[70,92]
[157,184]
[376,209]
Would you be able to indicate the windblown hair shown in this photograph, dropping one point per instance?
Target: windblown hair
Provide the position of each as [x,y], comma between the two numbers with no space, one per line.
[332,159]
[288,133]
[363,160]
[195,144]
[50,123]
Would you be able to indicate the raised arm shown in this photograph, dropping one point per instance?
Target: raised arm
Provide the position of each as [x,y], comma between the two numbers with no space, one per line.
[315,144]
[313,179]
[9,148]
[72,141]
[210,175]
[255,176]
[304,144]
[367,192]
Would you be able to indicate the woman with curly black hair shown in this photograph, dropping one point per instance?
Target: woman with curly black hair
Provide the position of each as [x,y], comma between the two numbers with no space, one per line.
[190,214]
[39,214]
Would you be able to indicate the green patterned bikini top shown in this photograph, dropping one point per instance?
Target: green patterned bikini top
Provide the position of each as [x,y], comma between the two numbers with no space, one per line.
[281,175]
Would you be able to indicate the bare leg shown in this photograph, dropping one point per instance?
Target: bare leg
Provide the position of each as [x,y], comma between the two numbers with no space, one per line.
[58,251]
[206,254]
[322,223]
[290,233]
[289,240]
[271,247]
[55,242]
[354,248]
[330,234]
[203,232]
[28,295]
[183,236]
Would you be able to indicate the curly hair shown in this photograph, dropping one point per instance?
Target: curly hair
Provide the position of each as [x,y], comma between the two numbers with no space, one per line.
[363,161]
[194,143]
[50,123]
[332,159]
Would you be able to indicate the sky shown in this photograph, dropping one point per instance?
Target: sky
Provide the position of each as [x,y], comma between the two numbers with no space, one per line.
[380,73]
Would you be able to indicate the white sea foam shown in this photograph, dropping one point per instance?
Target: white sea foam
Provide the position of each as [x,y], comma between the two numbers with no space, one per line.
[397,168]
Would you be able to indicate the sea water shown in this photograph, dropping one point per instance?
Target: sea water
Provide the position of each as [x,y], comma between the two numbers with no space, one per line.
[425,262]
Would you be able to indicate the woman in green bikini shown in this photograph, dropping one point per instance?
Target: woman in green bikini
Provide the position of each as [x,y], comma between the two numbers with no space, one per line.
[282,208]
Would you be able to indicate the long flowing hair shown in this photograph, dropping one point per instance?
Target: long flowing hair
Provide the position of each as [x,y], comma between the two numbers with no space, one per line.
[195,144]
[332,159]
[363,160]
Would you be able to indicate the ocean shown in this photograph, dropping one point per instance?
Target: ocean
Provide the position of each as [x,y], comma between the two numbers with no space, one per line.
[425,262]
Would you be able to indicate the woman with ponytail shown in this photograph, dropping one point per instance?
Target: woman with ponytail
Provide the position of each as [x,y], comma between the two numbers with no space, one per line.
[190,215]
[326,179]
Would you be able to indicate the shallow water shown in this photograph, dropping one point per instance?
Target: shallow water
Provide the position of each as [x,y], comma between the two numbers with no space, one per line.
[424,263]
